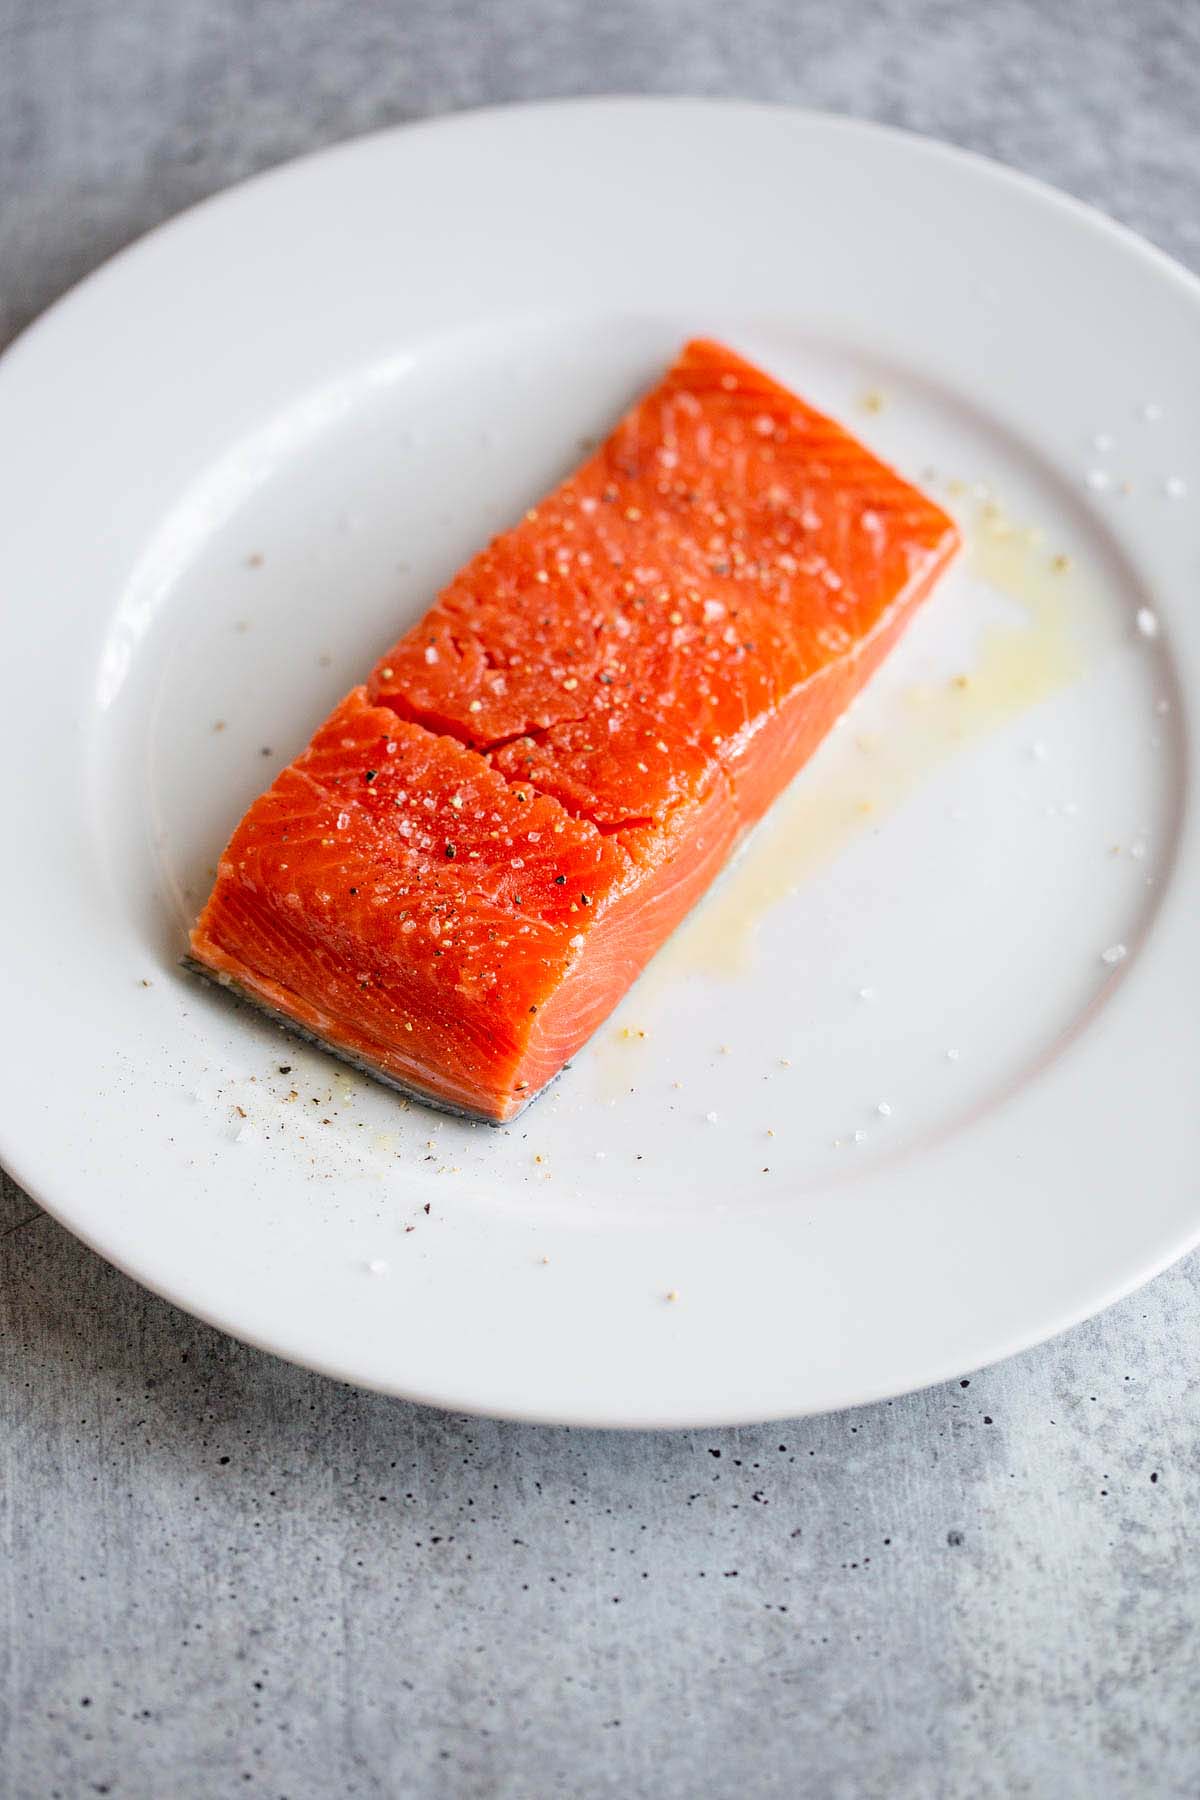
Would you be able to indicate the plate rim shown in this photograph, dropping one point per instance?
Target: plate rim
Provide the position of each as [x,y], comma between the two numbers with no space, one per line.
[987,166]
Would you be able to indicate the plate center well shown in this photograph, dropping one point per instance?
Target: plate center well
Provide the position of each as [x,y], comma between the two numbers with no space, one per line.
[923,920]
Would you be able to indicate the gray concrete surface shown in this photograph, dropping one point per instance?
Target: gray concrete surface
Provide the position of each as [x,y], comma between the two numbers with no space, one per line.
[225,1576]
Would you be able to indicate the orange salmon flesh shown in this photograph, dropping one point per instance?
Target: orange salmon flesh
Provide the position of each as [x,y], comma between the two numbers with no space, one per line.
[481,849]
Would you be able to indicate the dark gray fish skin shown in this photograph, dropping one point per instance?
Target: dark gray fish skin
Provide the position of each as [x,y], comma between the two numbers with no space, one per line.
[230,986]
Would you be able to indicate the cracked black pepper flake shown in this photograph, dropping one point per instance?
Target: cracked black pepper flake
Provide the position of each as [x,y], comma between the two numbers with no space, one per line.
[560,881]
[585,899]
[451,852]
[370,774]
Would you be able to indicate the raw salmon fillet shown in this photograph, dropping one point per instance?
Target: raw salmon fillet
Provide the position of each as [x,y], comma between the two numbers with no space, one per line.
[481,849]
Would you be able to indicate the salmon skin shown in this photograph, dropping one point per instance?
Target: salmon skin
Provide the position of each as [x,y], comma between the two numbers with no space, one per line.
[483,846]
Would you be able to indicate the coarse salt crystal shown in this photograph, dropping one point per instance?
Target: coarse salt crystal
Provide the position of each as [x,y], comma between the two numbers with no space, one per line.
[1152,412]
[1103,440]
[1175,487]
[867,993]
[1038,751]
[1147,622]
[1098,480]
[884,1109]
[377,1266]
[431,654]
[952,1056]
[1114,954]
[860,1136]
[711,1117]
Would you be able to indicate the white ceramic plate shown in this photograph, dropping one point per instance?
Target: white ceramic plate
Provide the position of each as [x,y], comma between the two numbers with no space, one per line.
[893,1115]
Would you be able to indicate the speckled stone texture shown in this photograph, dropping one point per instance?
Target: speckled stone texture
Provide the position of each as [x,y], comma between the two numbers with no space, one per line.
[224,1576]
